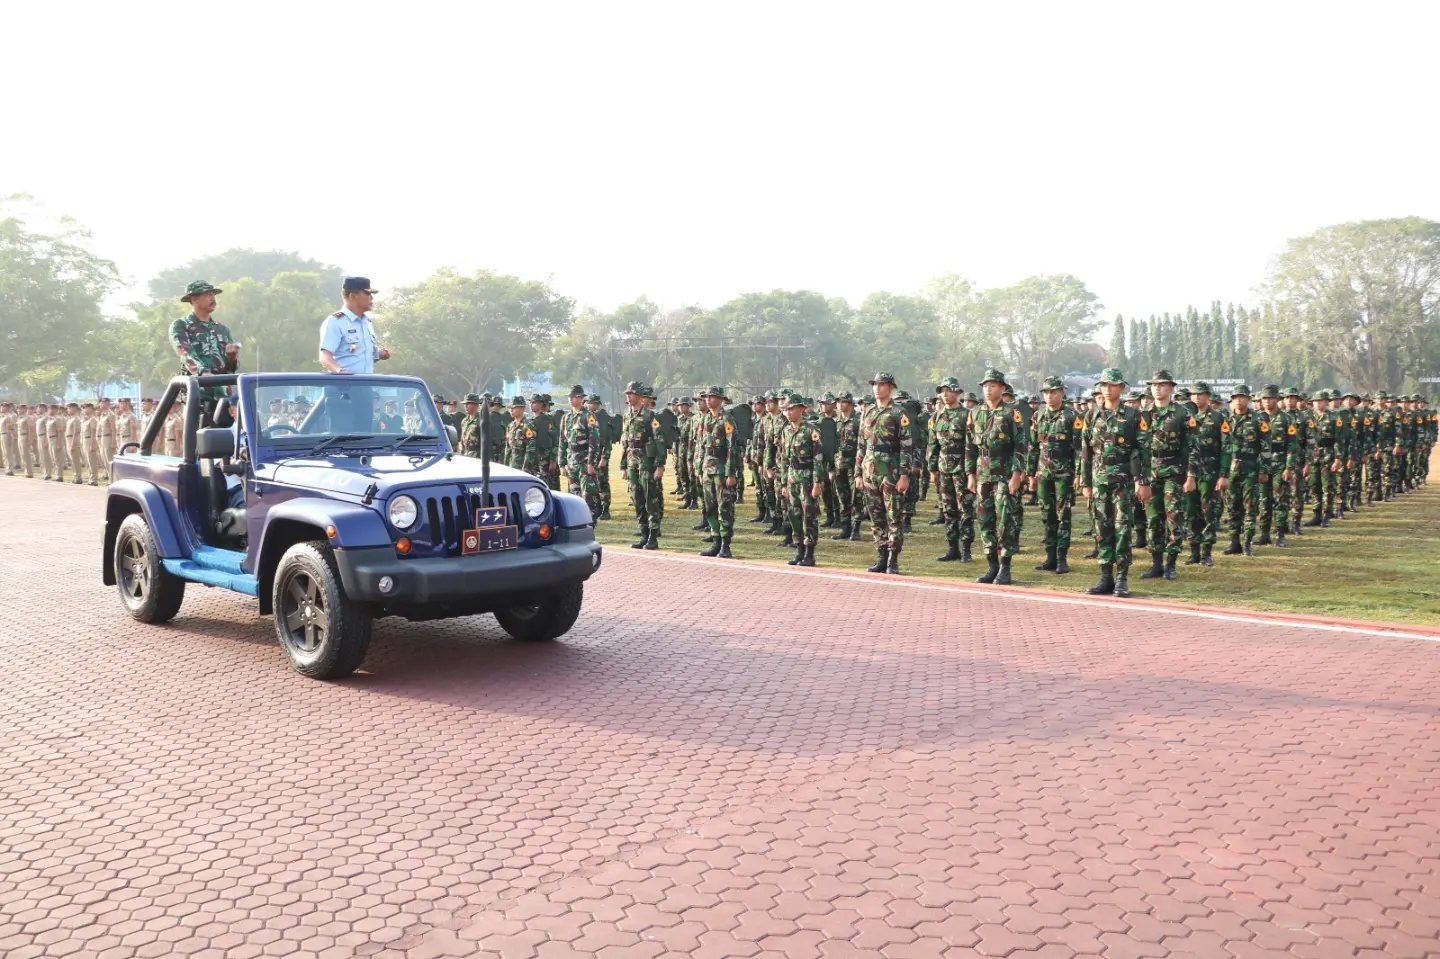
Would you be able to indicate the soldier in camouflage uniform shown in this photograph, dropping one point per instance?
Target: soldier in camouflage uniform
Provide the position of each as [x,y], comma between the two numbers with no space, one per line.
[1304,423]
[1056,433]
[608,434]
[1247,433]
[825,470]
[945,458]
[203,345]
[767,437]
[581,449]
[996,450]
[1327,456]
[1117,474]
[886,455]
[915,413]
[754,457]
[469,430]
[719,466]
[644,454]
[847,429]
[1284,447]
[799,455]
[522,440]
[1173,437]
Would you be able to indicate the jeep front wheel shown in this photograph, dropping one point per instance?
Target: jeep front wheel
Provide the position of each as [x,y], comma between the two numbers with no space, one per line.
[549,616]
[323,632]
[149,592]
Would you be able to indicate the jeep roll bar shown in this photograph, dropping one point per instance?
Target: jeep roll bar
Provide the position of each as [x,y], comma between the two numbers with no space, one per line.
[191,386]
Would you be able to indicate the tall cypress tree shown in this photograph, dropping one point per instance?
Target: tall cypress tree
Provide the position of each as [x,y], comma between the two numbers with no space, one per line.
[1195,352]
[1159,343]
[1244,319]
[1227,344]
[1140,350]
[1116,355]
[1214,337]
[1132,353]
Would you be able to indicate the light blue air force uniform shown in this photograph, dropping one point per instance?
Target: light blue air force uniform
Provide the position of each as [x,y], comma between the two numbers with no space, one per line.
[351,340]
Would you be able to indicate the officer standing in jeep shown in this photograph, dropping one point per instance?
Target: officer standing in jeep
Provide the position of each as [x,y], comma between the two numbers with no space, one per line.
[203,345]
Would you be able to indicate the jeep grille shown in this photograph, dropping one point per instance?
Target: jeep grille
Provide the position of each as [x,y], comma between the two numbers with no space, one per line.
[449,515]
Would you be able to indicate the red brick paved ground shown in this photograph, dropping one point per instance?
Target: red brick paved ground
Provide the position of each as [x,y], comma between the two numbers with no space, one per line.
[718,761]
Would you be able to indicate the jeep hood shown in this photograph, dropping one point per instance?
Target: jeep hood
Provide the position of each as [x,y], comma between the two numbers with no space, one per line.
[345,474]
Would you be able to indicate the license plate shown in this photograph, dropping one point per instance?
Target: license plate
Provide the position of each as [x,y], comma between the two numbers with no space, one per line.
[490,539]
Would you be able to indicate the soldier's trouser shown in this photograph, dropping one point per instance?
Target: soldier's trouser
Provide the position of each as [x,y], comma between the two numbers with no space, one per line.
[1017,519]
[1242,496]
[648,495]
[46,463]
[924,484]
[57,455]
[12,454]
[602,487]
[93,462]
[804,508]
[845,495]
[584,485]
[1114,510]
[1274,503]
[1056,496]
[740,479]
[1296,494]
[719,505]
[829,497]
[1323,485]
[887,514]
[27,455]
[994,507]
[1396,479]
[912,497]
[957,506]
[1206,505]
[1375,475]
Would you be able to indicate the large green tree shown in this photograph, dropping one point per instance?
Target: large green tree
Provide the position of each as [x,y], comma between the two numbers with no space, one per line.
[897,334]
[468,333]
[1116,355]
[606,350]
[1360,299]
[51,290]
[1039,316]
[238,263]
[967,337]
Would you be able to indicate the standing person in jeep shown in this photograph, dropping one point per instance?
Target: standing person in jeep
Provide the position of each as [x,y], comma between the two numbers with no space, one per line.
[203,345]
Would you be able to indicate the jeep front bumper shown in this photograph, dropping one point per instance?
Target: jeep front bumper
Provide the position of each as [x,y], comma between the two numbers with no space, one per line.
[570,558]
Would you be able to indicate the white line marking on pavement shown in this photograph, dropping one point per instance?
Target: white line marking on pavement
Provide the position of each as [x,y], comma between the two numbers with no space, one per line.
[1113,605]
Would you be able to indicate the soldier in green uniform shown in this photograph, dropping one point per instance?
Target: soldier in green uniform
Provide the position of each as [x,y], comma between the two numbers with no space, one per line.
[1117,474]
[719,466]
[609,433]
[915,414]
[203,345]
[1248,436]
[1283,440]
[945,458]
[581,449]
[522,441]
[1056,432]
[767,438]
[996,449]
[799,456]
[1304,423]
[1093,407]
[644,465]
[886,455]
[1174,464]
[687,484]
[754,457]
[1327,457]
[825,470]
[469,429]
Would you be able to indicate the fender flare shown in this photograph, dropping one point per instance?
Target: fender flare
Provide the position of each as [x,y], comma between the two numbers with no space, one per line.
[130,496]
[571,512]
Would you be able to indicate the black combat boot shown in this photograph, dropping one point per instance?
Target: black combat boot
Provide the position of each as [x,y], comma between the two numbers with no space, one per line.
[1049,565]
[1315,520]
[789,540]
[1169,566]
[1003,579]
[1106,586]
[855,533]
[1089,532]
[799,555]
[1280,539]
[882,560]
[845,531]
[701,525]
[993,558]
[644,539]
[725,547]
[762,516]
[1122,583]
[1062,561]
[907,523]
[1157,566]
[1325,519]
[1142,537]
[829,519]
[653,540]
[1264,539]
[1249,544]
[809,559]
[1094,552]
[893,567]
[938,521]
[965,551]
[714,549]
[605,515]
[950,555]
[1234,549]
[1205,557]
[1194,559]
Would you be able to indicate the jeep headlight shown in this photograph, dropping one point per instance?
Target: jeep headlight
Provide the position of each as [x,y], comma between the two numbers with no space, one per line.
[534,502]
[403,512]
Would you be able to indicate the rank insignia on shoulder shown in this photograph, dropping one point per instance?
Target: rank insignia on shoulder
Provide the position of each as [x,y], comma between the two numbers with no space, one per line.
[1290,431]
[1192,422]
[1144,424]
[1264,426]
[1225,427]
[1018,417]
[904,420]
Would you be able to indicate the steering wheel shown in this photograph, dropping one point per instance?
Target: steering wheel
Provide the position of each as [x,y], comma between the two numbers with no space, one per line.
[270,431]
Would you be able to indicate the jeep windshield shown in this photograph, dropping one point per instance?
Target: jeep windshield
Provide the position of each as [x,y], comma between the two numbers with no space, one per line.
[310,413]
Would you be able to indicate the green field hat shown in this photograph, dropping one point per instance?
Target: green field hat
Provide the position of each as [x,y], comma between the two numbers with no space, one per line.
[577,390]
[796,400]
[1052,383]
[827,397]
[1291,391]
[1269,392]
[1008,390]
[992,375]
[594,398]
[1200,387]
[1162,376]
[437,399]
[900,396]
[970,398]
[634,387]
[950,383]
[1240,390]
[472,398]
[197,287]
[867,400]
[517,401]
[883,377]
[710,391]
[1183,393]
[1111,375]
[1349,393]
[844,396]
[1135,395]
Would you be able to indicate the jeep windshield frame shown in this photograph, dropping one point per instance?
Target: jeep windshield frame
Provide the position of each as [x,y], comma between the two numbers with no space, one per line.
[333,414]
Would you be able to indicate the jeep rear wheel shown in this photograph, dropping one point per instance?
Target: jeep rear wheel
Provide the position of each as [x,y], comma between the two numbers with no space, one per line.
[323,632]
[549,616]
[148,591]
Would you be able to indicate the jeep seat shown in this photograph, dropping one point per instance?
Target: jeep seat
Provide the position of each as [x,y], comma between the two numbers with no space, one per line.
[229,525]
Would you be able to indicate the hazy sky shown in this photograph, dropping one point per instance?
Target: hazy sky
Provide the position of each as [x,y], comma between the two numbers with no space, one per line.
[1161,152]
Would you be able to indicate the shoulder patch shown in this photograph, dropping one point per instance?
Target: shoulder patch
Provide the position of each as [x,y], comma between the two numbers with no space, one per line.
[1290,430]
[591,419]
[729,427]
[1192,423]
[1018,417]
[1224,426]
[654,424]
[1079,423]
[1264,426]
[529,433]
[904,420]
[815,435]
[1144,424]
[338,314]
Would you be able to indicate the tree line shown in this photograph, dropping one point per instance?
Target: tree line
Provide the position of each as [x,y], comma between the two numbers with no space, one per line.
[1353,305]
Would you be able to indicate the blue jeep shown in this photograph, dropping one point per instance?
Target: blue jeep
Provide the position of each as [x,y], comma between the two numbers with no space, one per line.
[335,500]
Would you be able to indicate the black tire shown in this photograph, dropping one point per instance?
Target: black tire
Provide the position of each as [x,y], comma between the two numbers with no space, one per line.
[147,590]
[323,632]
[549,618]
